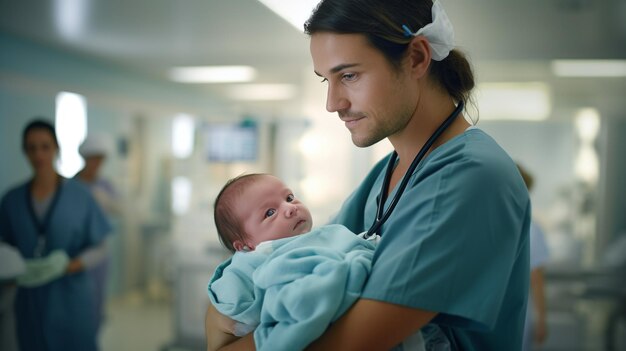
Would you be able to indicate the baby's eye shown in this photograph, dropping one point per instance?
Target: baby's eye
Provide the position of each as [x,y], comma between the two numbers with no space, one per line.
[323,80]
[290,198]
[270,212]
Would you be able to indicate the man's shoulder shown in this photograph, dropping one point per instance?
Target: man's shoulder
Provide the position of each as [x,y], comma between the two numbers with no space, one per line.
[473,161]
[477,151]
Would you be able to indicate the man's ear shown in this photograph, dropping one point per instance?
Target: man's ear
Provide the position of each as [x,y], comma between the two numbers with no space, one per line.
[419,56]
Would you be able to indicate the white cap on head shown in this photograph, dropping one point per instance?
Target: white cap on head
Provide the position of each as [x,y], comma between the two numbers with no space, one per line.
[439,32]
[96,145]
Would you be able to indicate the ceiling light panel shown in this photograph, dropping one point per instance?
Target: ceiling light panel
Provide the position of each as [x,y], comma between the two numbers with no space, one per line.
[262,92]
[212,74]
[294,12]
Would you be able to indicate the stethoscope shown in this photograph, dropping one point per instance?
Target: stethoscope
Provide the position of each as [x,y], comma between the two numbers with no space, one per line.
[42,226]
[381,215]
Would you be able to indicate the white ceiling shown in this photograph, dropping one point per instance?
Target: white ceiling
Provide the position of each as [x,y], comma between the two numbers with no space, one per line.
[507,40]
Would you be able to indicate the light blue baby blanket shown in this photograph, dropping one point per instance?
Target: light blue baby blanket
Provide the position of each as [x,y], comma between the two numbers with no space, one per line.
[293,288]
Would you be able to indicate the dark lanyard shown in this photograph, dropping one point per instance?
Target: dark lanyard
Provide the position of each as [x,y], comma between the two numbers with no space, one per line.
[42,226]
[381,217]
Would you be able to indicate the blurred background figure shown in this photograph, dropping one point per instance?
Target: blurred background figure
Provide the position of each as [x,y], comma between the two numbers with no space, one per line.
[11,266]
[536,327]
[58,228]
[94,150]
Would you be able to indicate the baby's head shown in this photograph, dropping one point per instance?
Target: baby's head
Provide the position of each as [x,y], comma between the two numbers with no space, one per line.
[253,208]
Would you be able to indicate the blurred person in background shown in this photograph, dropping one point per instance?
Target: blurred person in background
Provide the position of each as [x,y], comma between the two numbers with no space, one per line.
[535,326]
[11,267]
[95,149]
[58,228]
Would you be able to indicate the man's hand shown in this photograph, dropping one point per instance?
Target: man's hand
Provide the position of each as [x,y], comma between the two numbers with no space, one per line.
[219,329]
[372,325]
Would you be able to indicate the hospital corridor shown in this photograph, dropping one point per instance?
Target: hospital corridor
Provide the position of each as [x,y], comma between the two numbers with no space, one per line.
[122,121]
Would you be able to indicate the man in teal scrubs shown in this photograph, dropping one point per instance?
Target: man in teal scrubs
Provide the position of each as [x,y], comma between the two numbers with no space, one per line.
[449,245]
[454,252]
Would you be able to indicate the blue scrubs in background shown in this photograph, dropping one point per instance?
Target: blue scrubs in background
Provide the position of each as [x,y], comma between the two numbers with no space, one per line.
[58,315]
[457,242]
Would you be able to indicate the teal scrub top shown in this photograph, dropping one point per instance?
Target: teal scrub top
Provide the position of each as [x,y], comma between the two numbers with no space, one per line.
[58,315]
[457,242]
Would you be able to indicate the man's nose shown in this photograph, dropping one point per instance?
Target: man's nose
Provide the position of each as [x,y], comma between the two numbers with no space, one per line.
[335,101]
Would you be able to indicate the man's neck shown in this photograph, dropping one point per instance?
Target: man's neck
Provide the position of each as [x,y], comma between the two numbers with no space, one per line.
[424,123]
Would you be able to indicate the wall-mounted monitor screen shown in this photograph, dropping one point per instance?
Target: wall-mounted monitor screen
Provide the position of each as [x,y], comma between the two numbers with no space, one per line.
[232,142]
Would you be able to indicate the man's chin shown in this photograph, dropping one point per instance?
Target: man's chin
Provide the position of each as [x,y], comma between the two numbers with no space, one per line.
[363,143]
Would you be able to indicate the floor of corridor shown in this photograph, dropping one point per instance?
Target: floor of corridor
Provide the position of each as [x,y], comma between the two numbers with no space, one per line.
[135,324]
[140,324]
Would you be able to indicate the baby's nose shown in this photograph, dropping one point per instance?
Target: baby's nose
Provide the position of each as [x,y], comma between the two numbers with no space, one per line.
[291,210]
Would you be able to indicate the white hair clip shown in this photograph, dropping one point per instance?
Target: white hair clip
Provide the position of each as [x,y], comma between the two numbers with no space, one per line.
[439,33]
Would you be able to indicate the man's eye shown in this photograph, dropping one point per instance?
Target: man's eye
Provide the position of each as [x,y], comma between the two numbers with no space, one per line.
[270,212]
[290,198]
[348,76]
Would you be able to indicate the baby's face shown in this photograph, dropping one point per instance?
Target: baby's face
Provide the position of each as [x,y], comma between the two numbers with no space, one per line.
[270,211]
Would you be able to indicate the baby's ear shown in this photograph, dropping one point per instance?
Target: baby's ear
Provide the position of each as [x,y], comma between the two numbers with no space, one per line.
[238,245]
[241,246]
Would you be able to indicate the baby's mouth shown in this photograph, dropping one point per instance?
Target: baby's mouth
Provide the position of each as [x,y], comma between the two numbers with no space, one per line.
[298,224]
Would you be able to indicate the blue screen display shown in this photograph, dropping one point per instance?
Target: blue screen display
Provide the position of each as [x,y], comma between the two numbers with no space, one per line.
[232,142]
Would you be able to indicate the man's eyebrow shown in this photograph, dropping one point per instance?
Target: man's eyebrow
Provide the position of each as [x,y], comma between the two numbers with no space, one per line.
[339,68]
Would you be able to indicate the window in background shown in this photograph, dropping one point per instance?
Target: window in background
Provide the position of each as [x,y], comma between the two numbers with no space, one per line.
[587,163]
[181,195]
[525,101]
[183,131]
[71,129]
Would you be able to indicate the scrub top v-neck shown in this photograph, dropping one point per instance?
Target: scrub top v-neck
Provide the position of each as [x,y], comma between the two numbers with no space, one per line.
[41,212]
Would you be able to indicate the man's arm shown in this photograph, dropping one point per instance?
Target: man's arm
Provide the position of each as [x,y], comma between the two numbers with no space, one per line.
[539,301]
[219,333]
[372,325]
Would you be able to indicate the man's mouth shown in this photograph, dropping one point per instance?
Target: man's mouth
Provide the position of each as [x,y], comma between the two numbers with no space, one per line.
[348,116]
[351,122]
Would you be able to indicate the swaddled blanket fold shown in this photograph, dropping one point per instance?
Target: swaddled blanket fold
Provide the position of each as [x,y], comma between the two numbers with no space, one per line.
[293,288]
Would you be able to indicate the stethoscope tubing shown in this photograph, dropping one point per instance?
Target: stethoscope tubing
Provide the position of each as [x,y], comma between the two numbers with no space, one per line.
[381,217]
